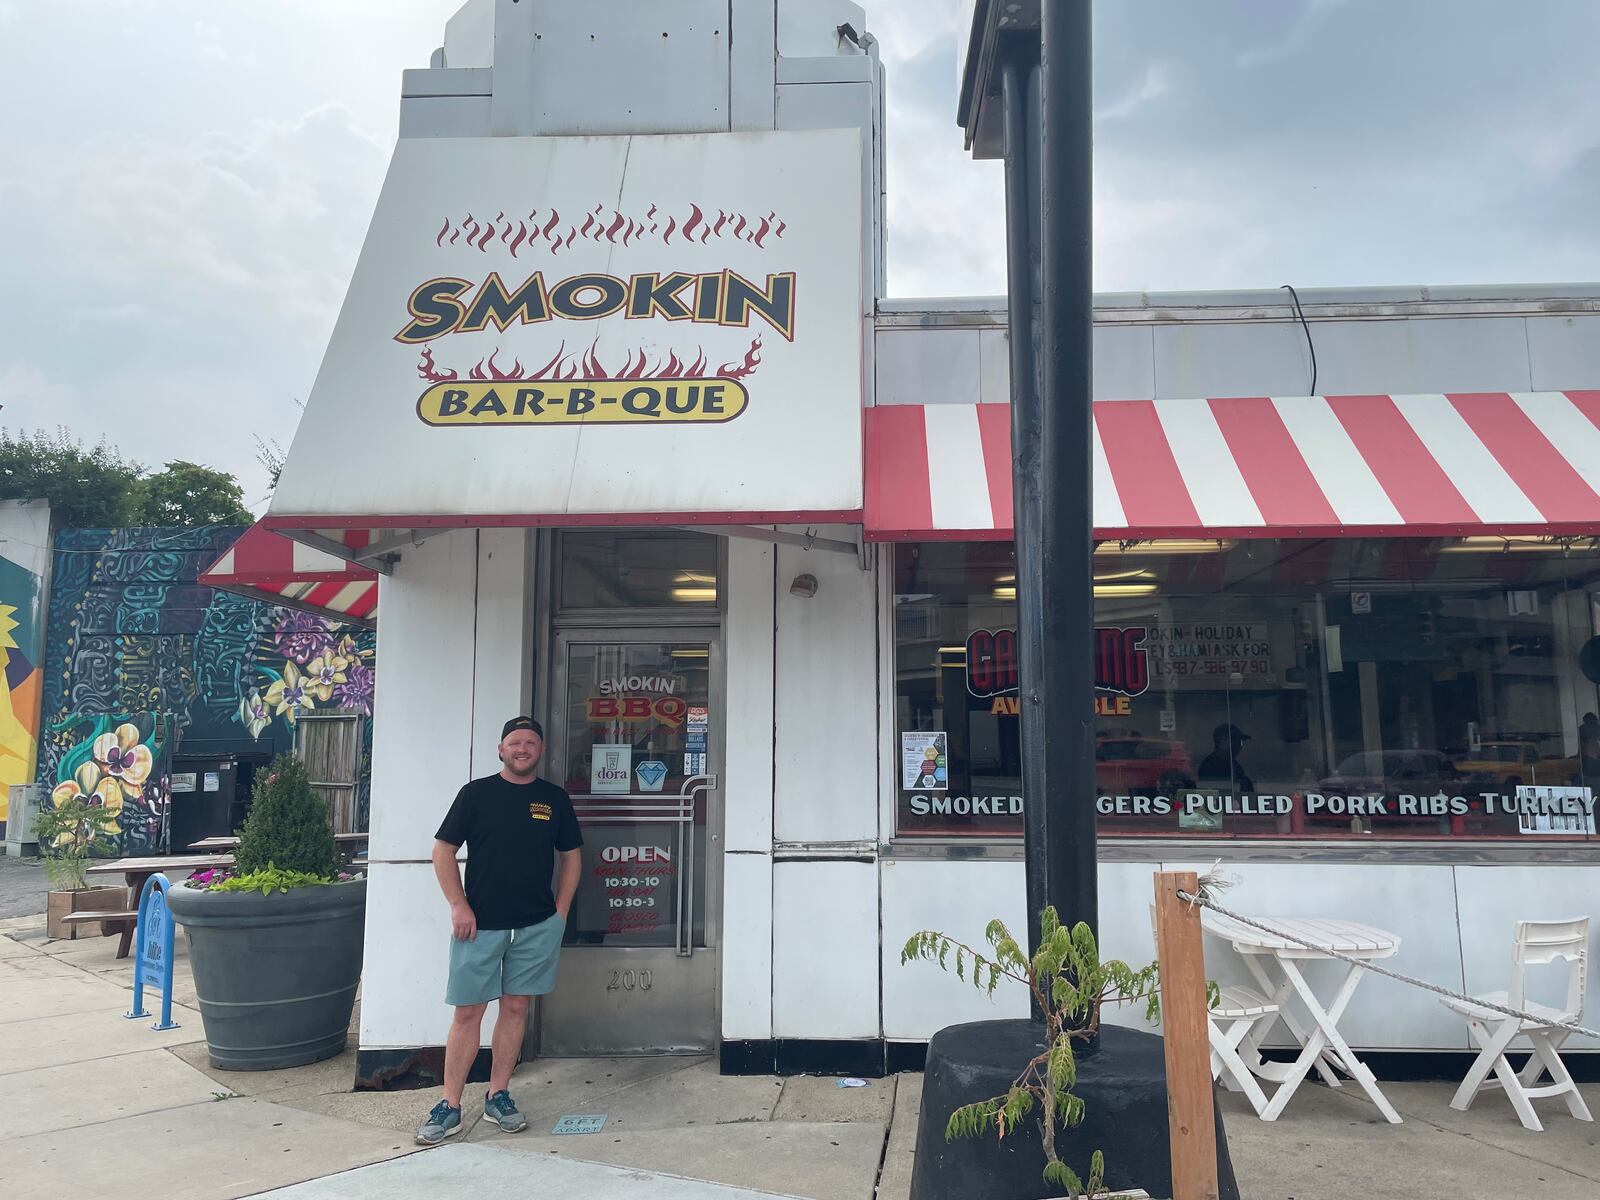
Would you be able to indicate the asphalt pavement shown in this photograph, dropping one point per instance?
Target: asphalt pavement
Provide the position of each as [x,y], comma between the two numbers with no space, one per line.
[22,886]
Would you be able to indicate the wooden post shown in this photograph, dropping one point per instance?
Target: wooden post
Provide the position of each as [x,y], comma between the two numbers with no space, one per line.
[1191,1115]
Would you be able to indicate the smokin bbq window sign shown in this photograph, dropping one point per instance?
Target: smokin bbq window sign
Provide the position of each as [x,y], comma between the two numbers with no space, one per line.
[598,325]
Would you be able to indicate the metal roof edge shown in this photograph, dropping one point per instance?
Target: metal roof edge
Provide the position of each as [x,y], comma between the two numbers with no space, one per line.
[1270,304]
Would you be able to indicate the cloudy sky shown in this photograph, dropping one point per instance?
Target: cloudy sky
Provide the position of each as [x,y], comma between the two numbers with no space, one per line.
[186,182]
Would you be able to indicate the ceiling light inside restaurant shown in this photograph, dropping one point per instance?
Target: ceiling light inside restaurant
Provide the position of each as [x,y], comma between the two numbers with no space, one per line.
[1115,576]
[1490,544]
[1106,591]
[1160,546]
[691,652]
[695,594]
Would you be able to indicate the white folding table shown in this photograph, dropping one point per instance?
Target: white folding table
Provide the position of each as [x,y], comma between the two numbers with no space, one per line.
[1321,1046]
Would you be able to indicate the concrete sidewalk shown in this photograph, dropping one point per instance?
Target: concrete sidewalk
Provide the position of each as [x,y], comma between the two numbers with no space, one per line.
[111,1109]
[108,1105]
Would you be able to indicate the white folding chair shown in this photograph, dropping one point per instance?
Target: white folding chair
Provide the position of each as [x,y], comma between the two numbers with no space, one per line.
[1537,942]
[1229,1025]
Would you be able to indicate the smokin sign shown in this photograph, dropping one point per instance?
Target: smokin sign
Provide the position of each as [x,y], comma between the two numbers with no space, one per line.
[577,387]
[1120,667]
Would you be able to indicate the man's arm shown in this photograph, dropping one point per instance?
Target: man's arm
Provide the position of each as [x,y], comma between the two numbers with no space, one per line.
[568,872]
[463,922]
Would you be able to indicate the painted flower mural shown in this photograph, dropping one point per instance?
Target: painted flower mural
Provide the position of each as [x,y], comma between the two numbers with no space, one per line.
[89,783]
[321,666]
[300,637]
[115,774]
[288,694]
[254,714]
[358,688]
[125,761]
[325,672]
[116,763]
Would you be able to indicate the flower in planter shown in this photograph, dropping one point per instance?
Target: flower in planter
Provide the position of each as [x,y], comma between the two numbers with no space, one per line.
[325,672]
[300,637]
[289,695]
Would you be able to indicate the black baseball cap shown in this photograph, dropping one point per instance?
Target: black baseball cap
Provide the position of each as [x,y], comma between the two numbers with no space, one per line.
[521,723]
[1220,732]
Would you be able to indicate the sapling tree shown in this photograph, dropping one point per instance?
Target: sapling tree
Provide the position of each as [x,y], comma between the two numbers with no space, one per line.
[1070,985]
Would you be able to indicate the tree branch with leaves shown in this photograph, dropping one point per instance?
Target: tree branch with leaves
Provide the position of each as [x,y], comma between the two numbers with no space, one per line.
[1071,986]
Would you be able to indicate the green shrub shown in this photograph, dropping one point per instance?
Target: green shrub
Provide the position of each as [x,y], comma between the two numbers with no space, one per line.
[287,829]
[266,881]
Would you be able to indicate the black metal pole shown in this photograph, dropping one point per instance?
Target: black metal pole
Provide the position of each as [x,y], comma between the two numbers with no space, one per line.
[1065,336]
[1020,92]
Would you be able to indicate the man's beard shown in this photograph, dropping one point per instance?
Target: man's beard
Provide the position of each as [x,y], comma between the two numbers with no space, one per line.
[525,772]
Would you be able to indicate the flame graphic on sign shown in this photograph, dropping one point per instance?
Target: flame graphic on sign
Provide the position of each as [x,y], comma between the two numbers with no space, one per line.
[587,364]
[609,225]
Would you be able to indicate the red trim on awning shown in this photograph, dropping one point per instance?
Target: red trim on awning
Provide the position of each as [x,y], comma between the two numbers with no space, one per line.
[268,566]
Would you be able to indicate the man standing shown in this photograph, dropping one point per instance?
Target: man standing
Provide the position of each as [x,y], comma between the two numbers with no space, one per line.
[507,922]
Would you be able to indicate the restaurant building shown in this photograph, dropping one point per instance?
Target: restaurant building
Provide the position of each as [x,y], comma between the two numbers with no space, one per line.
[646,452]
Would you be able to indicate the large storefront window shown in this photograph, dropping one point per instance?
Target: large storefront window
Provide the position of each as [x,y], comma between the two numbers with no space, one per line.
[1331,688]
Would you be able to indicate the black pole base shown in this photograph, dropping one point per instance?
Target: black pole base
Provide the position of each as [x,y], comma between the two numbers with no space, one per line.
[1123,1085]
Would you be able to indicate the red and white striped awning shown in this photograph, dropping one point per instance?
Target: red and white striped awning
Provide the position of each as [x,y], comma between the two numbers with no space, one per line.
[1312,466]
[270,567]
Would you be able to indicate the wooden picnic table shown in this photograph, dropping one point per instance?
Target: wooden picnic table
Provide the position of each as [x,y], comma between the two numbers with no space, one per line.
[135,871]
[205,845]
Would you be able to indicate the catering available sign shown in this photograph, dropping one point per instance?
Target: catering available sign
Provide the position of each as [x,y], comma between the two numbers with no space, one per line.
[597,326]
[1121,664]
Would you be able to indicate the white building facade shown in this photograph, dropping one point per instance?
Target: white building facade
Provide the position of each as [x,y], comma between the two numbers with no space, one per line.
[650,456]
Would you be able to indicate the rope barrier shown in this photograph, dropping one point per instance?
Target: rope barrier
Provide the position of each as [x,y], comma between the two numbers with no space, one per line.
[1205,901]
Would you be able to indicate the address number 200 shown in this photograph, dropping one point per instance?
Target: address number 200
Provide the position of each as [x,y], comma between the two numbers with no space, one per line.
[628,981]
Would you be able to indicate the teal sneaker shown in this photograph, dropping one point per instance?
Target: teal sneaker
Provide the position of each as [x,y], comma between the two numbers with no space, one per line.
[502,1110]
[443,1122]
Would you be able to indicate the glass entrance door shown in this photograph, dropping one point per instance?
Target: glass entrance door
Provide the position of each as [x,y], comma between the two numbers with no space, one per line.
[635,740]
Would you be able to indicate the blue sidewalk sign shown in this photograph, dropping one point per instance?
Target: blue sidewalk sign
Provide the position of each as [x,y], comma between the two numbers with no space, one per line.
[152,965]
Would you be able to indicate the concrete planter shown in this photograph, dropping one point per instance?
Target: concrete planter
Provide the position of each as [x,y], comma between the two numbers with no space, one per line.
[276,975]
[60,905]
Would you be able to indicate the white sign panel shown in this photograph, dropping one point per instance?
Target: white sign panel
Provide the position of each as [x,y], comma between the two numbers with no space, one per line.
[542,327]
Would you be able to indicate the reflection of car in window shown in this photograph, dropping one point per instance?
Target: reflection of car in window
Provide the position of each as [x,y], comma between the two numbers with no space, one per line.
[1378,770]
[1513,763]
[1143,765]
[1392,773]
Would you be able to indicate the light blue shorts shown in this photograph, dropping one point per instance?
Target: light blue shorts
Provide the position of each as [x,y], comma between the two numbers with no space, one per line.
[505,962]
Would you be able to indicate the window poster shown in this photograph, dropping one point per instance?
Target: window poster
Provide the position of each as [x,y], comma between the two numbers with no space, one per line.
[924,762]
[611,770]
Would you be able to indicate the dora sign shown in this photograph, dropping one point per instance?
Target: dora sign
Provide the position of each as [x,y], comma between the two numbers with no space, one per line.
[525,308]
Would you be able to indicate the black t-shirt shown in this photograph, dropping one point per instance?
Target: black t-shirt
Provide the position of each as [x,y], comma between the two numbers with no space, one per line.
[1218,767]
[511,832]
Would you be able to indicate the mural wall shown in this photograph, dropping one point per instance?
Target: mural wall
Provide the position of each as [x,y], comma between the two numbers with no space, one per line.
[144,664]
[24,569]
